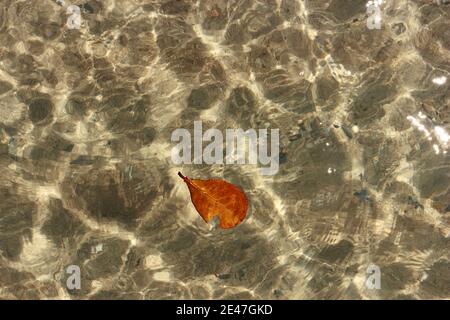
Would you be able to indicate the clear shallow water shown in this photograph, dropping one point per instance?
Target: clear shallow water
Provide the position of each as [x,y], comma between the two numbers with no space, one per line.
[87,179]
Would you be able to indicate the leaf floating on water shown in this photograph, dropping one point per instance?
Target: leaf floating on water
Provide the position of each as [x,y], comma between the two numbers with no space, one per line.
[215,197]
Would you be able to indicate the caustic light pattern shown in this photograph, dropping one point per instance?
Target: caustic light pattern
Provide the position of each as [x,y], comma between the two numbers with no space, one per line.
[347,195]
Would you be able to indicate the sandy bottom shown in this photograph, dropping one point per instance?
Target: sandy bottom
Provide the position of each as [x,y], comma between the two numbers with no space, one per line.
[87,179]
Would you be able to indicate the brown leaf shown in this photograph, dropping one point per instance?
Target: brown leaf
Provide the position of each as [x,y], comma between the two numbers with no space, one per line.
[218,197]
